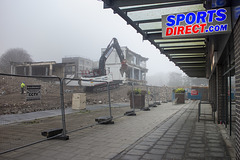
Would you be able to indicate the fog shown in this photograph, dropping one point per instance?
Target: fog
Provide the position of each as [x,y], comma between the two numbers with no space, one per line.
[52,29]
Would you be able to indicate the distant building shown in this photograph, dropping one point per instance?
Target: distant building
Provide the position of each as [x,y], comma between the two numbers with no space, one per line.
[82,67]
[136,64]
[47,68]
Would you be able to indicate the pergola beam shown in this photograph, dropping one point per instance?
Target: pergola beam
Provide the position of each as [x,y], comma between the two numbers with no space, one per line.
[125,3]
[186,70]
[153,36]
[179,51]
[148,20]
[179,46]
[187,65]
[162,6]
[163,42]
[198,74]
[188,59]
[152,30]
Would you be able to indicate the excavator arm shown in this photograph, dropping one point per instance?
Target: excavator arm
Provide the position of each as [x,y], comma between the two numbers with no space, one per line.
[113,44]
[97,82]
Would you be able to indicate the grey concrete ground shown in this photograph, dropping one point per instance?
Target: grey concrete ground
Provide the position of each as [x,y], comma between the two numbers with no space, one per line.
[166,132]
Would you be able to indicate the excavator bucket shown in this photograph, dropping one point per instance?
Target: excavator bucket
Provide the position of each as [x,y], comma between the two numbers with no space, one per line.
[124,67]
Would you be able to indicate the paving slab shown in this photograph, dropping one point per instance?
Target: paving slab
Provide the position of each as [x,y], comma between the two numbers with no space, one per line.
[183,137]
[102,141]
[166,132]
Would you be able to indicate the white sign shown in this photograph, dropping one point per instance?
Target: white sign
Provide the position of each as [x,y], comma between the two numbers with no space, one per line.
[33,92]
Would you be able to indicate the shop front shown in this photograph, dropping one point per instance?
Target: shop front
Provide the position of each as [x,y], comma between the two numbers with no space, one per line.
[202,38]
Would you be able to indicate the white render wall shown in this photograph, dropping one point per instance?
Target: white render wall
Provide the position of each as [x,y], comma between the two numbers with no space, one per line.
[114,70]
[113,65]
[113,58]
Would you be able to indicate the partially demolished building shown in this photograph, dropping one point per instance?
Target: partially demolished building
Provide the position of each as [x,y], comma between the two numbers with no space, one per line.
[48,68]
[137,67]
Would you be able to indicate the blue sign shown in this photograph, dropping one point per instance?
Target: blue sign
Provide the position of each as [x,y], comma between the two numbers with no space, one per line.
[195,23]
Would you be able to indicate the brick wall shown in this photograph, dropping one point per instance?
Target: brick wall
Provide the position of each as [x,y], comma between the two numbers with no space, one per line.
[221,113]
[236,39]
[212,90]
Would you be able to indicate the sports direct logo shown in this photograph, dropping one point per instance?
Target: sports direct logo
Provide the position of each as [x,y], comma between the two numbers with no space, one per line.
[194,23]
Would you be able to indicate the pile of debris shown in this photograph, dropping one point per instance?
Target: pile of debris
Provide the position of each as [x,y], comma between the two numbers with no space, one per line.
[13,102]
[163,93]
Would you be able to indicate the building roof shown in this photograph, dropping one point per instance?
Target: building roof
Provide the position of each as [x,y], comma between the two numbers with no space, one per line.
[18,64]
[189,54]
[32,63]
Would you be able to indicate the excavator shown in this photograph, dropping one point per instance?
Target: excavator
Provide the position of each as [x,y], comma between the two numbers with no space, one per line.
[98,82]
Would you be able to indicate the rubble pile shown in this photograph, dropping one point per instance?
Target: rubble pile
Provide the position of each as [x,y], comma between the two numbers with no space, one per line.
[117,96]
[11,85]
[163,93]
[13,102]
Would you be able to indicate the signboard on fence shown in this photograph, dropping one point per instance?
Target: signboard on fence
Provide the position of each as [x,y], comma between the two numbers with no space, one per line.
[33,92]
[194,92]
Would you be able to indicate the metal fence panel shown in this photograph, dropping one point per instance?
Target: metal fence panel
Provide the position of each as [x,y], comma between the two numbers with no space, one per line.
[22,121]
[96,105]
[50,103]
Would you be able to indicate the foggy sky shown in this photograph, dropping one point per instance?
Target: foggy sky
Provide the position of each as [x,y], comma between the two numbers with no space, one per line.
[52,29]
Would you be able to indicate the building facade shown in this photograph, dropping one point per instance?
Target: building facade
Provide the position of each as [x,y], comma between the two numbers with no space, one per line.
[223,74]
[48,68]
[82,67]
[137,66]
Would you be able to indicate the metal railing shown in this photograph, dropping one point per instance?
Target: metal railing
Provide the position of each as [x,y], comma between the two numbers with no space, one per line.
[200,114]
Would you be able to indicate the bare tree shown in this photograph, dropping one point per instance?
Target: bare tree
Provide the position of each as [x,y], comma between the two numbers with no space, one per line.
[13,55]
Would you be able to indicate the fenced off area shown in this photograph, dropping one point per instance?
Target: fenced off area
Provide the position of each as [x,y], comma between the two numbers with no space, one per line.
[51,107]
[18,126]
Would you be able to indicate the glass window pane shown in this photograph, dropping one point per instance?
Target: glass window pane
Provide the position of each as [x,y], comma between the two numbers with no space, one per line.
[185,54]
[182,44]
[165,49]
[157,13]
[145,5]
[180,40]
[191,62]
[154,25]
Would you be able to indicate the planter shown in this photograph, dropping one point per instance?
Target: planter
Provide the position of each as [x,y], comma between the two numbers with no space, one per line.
[180,98]
[139,101]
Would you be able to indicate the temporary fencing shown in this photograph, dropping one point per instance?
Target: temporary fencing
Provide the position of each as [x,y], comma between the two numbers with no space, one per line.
[21,114]
[98,107]
[54,107]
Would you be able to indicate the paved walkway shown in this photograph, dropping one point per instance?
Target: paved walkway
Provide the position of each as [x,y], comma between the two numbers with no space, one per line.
[166,132]
[181,137]
[13,118]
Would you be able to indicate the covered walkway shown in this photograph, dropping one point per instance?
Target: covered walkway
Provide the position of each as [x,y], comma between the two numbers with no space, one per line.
[182,137]
[201,37]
